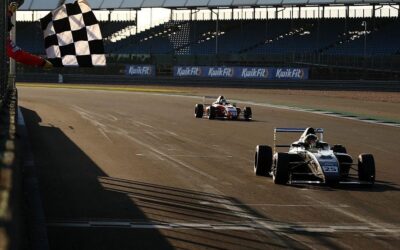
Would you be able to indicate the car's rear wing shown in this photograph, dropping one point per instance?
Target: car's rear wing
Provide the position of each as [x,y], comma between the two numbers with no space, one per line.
[319,131]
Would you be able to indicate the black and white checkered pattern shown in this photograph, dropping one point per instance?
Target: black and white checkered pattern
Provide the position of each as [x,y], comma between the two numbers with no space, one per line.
[72,36]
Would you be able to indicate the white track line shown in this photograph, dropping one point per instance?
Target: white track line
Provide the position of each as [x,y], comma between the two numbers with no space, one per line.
[353,228]
[111,129]
[325,113]
[269,105]
[356,217]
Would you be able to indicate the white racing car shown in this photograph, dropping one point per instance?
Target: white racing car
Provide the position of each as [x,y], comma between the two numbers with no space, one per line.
[310,160]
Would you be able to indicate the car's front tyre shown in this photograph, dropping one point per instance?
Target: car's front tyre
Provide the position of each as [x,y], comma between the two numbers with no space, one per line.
[247,113]
[198,110]
[262,160]
[212,112]
[366,168]
[280,173]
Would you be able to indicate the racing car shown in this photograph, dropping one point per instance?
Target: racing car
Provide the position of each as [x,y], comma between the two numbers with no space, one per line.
[311,160]
[221,109]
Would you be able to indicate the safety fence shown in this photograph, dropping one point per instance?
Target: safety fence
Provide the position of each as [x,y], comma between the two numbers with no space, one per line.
[3,58]
[321,67]
[11,218]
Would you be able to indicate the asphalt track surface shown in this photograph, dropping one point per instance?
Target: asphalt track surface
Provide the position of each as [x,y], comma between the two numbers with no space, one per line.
[126,170]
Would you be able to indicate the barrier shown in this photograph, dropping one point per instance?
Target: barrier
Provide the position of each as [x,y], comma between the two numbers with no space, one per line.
[140,70]
[242,72]
[11,218]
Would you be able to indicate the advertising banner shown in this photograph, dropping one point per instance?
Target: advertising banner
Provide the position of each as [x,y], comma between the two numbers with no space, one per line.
[252,73]
[289,73]
[187,71]
[140,70]
[242,72]
[219,72]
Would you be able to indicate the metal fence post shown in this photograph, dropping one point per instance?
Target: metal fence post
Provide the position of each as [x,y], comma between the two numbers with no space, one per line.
[3,56]
[12,63]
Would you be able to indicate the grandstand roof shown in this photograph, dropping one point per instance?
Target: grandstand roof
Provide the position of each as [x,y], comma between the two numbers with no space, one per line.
[137,4]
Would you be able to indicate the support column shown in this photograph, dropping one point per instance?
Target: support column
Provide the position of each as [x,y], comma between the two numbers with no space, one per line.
[217,31]
[3,58]
[12,72]
[346,18]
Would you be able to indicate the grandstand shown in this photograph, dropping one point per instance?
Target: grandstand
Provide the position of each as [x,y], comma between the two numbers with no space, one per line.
[276,36]
[353,34]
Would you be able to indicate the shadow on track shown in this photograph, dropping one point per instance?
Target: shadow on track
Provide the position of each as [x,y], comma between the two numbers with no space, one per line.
[237,120]
[215,221]
[76,192]
[379,186]
[70,190]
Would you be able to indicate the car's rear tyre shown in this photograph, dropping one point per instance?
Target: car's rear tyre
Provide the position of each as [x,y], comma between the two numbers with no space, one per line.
[198,110]
[247,113]
[366,168]
[263,160]
[212,112]
[280,173]
[339,149]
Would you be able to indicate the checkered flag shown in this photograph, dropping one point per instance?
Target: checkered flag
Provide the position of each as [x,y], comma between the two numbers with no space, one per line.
[72,36]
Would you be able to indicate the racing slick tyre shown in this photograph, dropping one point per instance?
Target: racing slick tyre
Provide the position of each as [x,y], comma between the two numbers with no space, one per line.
[366,168]
[280,174]
[339,149]
[345,162]
[247,114]
[211,113]
[199,110]
[263,160]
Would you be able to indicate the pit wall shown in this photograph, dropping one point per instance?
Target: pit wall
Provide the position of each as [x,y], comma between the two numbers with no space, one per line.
[11,202]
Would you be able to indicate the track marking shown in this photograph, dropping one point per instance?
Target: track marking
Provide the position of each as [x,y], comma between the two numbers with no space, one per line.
[172,159]
[278,205]
[200,156]
[99,88]
[347,213]
[114,118]
[325,113]
[89,116]
[142,124]
[293,108]
[159,157]
[267,230]
[353,228]
[152,134]
[177,93]
[111,129]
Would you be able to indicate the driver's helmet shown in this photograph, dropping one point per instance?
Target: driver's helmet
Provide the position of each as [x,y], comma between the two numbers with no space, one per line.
[311,140]
[221,100]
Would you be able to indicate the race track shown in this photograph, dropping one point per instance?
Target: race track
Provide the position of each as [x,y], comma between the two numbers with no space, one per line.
[130,170]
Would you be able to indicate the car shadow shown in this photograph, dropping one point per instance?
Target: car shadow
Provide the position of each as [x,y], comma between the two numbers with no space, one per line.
[236,121]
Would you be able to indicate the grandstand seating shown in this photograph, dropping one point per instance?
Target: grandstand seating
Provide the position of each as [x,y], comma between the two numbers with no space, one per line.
[274,36]
[30,36]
